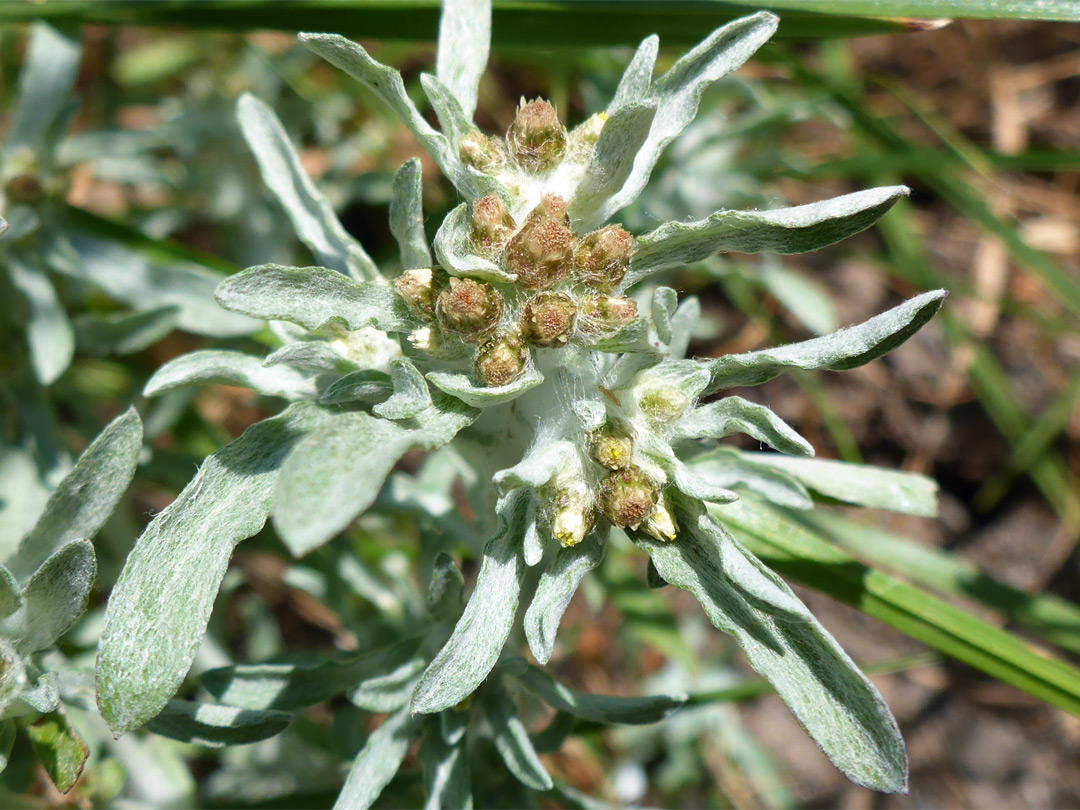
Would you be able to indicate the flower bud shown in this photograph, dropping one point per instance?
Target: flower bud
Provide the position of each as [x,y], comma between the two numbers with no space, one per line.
[419,288]
[537,138]
[548,319]
[492,226]
[571,514]
[611,446]
[662,403]
[607,313]
[602,257]
[539,254]
[583,138]
[470,308]
[661,522]
[501,360]
[627,497]
[482,152]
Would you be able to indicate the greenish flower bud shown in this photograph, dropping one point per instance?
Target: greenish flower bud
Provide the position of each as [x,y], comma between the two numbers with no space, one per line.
[627,497]
[602,257]
[661,522]
[663,404]
[584,137]
[501,360]
[537,138]
[482,152]
[607,313]
[571,514]
[539,254]
[548,319]
[470,308]
[492,226]
[611,446]
[419,288]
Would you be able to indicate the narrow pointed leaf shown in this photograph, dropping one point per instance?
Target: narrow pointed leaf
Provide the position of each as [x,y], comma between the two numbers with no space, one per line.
[310,212]
[678,92]
[124,333]
[48,331]
[737,415]
[782,230]
[846,349]
[728,468]
[473,393]
[216,726]
[317,355]
[447,586]
[464,42]
[55,597]
[214,366]
[835,702]
[860,484]
[512,741]
[637,78]
[407,216]
[313,297]
[555,590]
[446,771]
[599,708]
[45,85]
[378,761]
[474,647]
[87,496]
[160,606]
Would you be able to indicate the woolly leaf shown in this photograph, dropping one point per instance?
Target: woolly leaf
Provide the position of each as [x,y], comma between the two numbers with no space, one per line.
[478,395]
[215,366]
[464,43]
[317,355]
[45,84]
[512,740]
[55,597]
[366,384]
[474,647]
[736,415]
[637,78]
[446,771]
[454,254]
[378,761]
[407,215]
[846,349]
[159,608]
[216,726]
[446,587]
[783,230]
[48,331]
[555,590]
[311,214]
[726,467]
[313,297]
[411,395]
[125,332]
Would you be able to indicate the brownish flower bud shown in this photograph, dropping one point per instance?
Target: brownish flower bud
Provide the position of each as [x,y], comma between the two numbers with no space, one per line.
[25,188]
[419,288]
[627,497]
[548,319]
[470,308]
[540,252]
[501,360]
[602,257]
[611,446]
[481,151]
[537,138]
[492,226]
[606,313]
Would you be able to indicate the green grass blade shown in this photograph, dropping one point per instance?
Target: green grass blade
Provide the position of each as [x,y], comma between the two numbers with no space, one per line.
[806,557]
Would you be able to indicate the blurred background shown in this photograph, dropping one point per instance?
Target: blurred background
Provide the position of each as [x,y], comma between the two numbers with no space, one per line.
[981,119]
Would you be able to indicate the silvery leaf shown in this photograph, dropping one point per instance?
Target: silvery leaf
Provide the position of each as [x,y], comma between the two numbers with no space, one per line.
[45,84]
[159,608]
[453,252]
[683,322]
[512,740]
[464,42]
[214,366]
[411,395]
[664,301]
[447,586]
[833,701]
[317,355]
[311,214]
[463,387]
[728,468]
[446,770]
[478,639]
[313,297]
[9,593]
[407,216]
[598,708]
[125,332]
[737,415]
[849,348]
[378,761]
[48,331]
[555,590]
[86,497]
[216,726]
[391,688]
[55,597]
[782,230]
[678,92]
[612,160]
[637,78]
[538,466]
[859,484]
[368,385]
